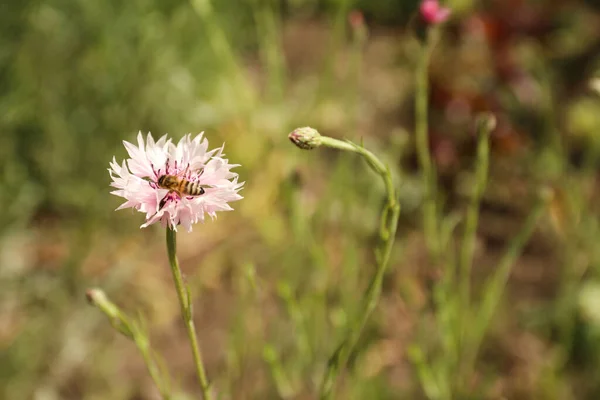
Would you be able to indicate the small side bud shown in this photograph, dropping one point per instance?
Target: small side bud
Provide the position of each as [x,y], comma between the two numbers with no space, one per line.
[305,138]
[95,296]
[486,122]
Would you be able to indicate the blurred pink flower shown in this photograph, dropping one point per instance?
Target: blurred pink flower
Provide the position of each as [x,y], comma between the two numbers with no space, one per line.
[432,13]
[208,173]
[356,19]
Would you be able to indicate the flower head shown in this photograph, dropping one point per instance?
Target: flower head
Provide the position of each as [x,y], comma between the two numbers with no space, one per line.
[194,180]
[305,138]
[432,13]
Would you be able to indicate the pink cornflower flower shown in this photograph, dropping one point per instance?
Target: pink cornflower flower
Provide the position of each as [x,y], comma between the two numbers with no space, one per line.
[175,184]
[432,13]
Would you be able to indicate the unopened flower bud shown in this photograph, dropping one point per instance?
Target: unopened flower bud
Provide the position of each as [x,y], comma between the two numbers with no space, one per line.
[486,122]
[95,296]
[305,138]
[356,19]
[432,13]
[357,23]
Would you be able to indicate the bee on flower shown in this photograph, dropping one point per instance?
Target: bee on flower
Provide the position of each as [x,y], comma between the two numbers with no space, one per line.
[175,184]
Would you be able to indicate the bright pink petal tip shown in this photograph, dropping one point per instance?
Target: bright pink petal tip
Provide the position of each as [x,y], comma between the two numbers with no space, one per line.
[432,13]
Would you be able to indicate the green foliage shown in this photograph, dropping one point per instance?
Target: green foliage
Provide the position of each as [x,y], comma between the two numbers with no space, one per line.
[279,282]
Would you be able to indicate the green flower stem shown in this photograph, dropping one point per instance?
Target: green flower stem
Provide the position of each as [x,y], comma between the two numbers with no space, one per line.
[379,167]
[485,124]
[282,382]
[423,152]
[389,222]
[186,312]
[132,329]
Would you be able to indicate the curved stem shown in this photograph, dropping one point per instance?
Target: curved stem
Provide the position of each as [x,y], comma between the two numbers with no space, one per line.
[134,331]
[389,223]
[186,312]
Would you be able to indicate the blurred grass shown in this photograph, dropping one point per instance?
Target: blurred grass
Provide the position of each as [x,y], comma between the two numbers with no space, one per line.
[278,280]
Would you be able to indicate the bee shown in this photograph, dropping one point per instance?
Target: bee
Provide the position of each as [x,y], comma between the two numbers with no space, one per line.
[181,186]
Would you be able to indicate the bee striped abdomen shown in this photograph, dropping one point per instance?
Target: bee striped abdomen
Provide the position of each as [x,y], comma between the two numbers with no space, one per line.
[190,188]
[196,189]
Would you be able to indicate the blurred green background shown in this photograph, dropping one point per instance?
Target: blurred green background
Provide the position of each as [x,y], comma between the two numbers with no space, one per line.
[277,280]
